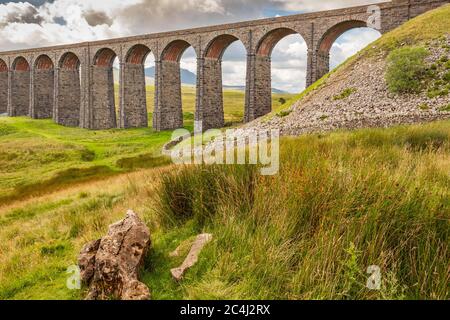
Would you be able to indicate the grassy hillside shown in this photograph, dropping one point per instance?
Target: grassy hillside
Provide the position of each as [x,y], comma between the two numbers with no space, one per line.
[419,31]
[342,202]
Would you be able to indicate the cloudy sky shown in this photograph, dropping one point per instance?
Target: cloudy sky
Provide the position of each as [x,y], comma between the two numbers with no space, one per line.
[34,23]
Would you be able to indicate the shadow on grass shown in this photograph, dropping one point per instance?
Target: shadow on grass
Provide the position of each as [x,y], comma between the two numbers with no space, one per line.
[60,180]
[143,161]
[72,176]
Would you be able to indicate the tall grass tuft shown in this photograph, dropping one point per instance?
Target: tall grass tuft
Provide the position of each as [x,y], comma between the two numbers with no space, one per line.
[341,203]
[196,192]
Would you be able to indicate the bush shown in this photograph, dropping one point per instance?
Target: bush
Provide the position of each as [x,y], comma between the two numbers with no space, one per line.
[406,69]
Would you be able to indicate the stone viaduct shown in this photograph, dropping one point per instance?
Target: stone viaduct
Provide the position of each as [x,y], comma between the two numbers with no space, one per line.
[73,84]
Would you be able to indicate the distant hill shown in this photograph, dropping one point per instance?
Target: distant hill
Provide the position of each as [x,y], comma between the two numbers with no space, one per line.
[188,78]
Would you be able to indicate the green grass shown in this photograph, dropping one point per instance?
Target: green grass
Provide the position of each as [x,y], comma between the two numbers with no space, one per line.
[420,30]
[341,202]
[345,94]
[233,102]
[37,155]
[54,156]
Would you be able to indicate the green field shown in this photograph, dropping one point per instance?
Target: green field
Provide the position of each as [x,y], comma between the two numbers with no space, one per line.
[37,156]
[233,101]
[342,202]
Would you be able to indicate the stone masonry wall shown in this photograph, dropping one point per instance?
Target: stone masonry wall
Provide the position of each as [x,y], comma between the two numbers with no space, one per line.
[3,92]
[211,111]
[43,90]
[133,97]
[103,101]
[20,93]
[263,88]
[169,109]
[68,98]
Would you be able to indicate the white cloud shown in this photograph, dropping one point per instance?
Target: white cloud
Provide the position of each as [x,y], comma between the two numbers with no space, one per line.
[24,25]
[314,5]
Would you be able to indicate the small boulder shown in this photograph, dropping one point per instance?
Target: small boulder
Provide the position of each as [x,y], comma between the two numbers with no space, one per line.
[192,258]
[110,266]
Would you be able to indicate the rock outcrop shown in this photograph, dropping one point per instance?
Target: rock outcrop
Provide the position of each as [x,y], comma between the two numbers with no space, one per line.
[110,266]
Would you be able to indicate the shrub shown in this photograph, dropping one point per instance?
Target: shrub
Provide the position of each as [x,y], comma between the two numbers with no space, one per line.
[406,69]
[282,100]
[345,94]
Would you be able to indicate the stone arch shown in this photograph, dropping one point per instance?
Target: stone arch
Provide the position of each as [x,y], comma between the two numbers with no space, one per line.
[328,39]
[69,61]
[270,40]
[217,46]
[103,109]
[43,88]
[133,112]
[174,50]
[3,66]
[330,36]
[261,104]
[3,87]
[168,113]
[104,57]
[67,110]
[20,64]
[20,87]
[137,54]
[210,110]
[43,62]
